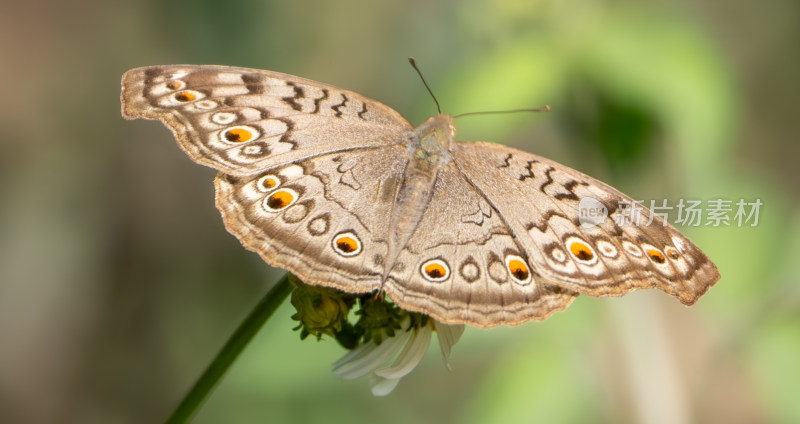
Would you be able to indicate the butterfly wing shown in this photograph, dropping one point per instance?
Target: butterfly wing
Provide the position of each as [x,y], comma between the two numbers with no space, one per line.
[463,265]
[242,121]
[323,218]
[539,201]
[308,178]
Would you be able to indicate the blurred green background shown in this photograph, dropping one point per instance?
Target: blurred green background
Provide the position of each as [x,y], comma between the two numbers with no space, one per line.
[118,282]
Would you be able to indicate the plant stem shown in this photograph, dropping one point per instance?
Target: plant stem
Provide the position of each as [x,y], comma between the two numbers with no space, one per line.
[233,347]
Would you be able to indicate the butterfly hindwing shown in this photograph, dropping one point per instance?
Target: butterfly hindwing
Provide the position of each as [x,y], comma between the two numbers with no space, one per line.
[462,265]
[323,218]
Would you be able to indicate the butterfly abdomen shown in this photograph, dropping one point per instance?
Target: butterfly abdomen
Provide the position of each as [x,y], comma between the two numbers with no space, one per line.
[428,154]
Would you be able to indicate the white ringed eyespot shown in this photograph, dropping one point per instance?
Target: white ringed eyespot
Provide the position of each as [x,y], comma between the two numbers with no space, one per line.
[347,244]
[519,270]
[238,134]
[267,183]
[581,251]
[280,200]
[435,270]
[223,118]
[607,249]
[632,249]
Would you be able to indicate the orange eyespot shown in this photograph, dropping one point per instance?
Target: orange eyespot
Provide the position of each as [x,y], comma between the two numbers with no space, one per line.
[672,253]
[175,85]
[238,135]
[581,251]
[656,256]
[346,244]
[435,270]
[185,96]
[518,269]
[280,199]
[268,183]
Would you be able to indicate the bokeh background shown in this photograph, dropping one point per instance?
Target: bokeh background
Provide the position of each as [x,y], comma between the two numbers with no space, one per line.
[118,282]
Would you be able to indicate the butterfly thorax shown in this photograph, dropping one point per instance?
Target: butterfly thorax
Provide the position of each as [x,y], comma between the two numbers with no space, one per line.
[430,143]
[428,154]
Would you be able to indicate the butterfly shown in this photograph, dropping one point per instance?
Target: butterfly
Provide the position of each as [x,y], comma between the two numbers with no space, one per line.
[344,192]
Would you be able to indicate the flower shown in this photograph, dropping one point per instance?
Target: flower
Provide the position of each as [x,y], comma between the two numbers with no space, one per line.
[372,355]
[383,331]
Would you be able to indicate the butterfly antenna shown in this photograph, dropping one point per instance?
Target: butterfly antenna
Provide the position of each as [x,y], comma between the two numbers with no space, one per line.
[545,108]
[414,65]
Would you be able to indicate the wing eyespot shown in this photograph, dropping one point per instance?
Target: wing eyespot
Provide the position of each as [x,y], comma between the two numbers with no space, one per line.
[347,244]
[581,251]
[268,183]
[435,270]
[175,85]
[187,96]
[280,200]
[239,134]
[518,269]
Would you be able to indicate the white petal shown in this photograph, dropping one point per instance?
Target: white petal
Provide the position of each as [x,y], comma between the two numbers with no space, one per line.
[410,356]
[358,352]
[448,336]
[363,364]
[383,386]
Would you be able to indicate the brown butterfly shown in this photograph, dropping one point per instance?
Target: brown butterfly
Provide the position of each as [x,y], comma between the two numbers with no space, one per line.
[343,192]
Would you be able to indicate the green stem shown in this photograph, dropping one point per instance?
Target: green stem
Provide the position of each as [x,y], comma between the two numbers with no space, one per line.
[233,347]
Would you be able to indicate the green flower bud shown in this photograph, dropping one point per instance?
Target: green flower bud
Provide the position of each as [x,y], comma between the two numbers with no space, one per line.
[320,310]
[378,318]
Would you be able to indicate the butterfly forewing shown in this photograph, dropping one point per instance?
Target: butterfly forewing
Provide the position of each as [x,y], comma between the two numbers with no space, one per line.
[242,121]
[540,200]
